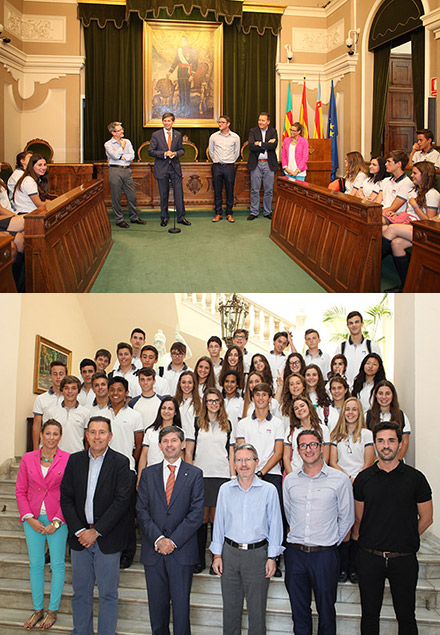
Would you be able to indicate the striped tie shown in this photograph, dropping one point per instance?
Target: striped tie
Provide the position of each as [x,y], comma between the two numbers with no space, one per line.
[170,483]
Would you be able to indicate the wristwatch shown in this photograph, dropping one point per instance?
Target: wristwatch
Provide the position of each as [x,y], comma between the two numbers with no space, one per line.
[259,474]
[56,523]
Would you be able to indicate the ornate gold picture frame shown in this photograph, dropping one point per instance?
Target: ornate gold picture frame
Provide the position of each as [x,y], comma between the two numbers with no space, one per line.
[183,72]
[45,353]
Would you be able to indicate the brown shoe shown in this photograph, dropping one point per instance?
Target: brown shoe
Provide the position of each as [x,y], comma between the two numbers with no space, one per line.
[230,218]
[217,218]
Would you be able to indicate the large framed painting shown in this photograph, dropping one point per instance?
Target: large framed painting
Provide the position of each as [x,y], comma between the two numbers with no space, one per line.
[45,353]
[183,72]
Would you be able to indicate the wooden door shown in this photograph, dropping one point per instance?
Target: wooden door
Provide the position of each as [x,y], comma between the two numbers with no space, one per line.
[400,123]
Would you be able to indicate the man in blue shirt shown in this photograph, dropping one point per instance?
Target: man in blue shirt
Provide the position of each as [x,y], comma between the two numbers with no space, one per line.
[319,506]
[120,154]
[247,537]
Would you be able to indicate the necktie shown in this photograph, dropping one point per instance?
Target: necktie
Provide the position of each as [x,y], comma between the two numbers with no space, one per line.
[169,139]
[170,483]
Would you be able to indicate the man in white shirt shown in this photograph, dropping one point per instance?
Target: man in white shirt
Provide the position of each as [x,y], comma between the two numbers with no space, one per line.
[57,372]
[224,150]
[422,150]
[72,416]
[394,191]
[149,357]
[148,403]
[356,347]
[126,368]
[87,368]
[177,366]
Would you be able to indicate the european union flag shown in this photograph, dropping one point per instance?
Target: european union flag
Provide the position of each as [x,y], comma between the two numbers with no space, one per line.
[332,132]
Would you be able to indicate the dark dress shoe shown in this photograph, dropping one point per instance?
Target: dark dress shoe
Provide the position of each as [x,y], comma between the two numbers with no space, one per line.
[163,222]
[343,576]
[278,573]
[184,222]
[353,577]
[138,221]
[252,217]
[125,562]
[123,224]
[198,568]
[269,216]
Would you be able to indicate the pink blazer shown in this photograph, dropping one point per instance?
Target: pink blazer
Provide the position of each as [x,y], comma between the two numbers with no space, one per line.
[301,153]
[32,488]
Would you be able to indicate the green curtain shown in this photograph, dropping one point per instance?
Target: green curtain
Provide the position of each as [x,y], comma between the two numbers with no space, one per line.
[418,74]
[113,78]
[380,95]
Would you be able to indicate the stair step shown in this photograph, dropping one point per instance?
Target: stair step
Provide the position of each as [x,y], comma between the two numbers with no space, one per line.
[7,486]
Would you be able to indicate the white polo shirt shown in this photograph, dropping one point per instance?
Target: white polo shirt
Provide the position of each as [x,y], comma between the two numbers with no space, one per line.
[234,408]
[354,354]
[172,377]
[322,360]
[211,453]
[161,386]
[262,435]
[148,407]
[351,456]
[357,182]
[187,415]
[124,426]
[332,417]
[74,421]
[22,201]
[46,400]
[433,156]
[396,188]
[276,363]
[365,395]
[134,388]
[86,398]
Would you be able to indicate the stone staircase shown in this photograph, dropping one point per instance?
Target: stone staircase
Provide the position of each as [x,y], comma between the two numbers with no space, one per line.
[206,604]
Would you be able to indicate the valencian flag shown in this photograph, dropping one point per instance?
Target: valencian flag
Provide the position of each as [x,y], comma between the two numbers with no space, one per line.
[303,112]
[332,132]
[318,132]
[288,120]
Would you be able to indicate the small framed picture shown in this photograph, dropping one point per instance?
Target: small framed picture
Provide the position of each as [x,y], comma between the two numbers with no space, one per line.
[45,353]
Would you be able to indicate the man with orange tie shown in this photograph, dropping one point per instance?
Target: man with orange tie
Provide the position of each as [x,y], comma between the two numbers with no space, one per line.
[166,148]
[170,510]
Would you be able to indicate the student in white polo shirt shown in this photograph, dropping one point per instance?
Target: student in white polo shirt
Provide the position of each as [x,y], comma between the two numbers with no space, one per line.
[137,341]
[339,391]
[394,190]
[276,357]
[266,433]
[356,347]
[100,388]
[102,359]
[149,357]
[240,339]
[314,355]
[126,368]
[86,395]
[57,372]
[177,365]
[233,399]
[72,416]
[128,431]
[214,346]
[303,416]
[147,403]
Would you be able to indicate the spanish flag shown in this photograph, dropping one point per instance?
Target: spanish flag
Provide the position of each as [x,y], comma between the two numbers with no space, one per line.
[288,120]
[303,112]
[318,133]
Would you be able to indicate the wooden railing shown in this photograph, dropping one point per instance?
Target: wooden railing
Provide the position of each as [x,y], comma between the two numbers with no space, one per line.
[67,241]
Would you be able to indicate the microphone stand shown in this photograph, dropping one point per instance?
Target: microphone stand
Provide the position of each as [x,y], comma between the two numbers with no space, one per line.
[174,230]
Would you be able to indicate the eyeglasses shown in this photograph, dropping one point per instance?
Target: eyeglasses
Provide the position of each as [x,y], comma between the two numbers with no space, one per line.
[294,362]
[247,460]
[213,402]
[312,445]
[176,353]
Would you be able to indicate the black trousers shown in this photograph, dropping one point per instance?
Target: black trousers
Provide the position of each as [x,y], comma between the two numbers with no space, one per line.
[164,191]
[223,173]
[402,574]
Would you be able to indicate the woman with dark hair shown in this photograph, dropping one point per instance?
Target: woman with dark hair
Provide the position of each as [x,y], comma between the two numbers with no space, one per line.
[209,449]
[32,188]
[204,375]
[188,399]
[22,159]
[294,364]
[385,407]
[294,386]
[233,360]
[38,499]
[303,416]
[371,372]
[371,186]
[423,204]
[167,415]
[351,451]
[233,400]
[339,392]
[295,153]
[259,362]
[338,366]
[315,383]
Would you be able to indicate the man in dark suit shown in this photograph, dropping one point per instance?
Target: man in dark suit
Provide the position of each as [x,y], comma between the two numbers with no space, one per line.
[263,164]
[95,495]
[170,511]
[166,148]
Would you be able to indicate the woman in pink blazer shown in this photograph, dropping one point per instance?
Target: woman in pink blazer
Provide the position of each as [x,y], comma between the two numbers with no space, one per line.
[295,153]
[38,498]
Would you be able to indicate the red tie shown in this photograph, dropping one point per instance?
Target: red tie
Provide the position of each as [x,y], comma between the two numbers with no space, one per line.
[170,483]
[169,139]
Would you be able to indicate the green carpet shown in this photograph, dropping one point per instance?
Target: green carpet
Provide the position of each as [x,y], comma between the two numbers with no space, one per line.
[212,257]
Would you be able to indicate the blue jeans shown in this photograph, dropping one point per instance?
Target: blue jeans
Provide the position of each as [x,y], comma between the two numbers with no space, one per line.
[87,565]
[36,544]
[262,173]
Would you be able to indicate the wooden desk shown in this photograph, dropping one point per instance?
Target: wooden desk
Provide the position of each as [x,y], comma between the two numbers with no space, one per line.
[64,177]
[334,237]
[7,284]
[424,269]
[67,241]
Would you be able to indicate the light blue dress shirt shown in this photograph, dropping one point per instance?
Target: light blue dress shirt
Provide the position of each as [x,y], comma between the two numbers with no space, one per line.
[95,466]
[247,516]
[319,510]
[117,155]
